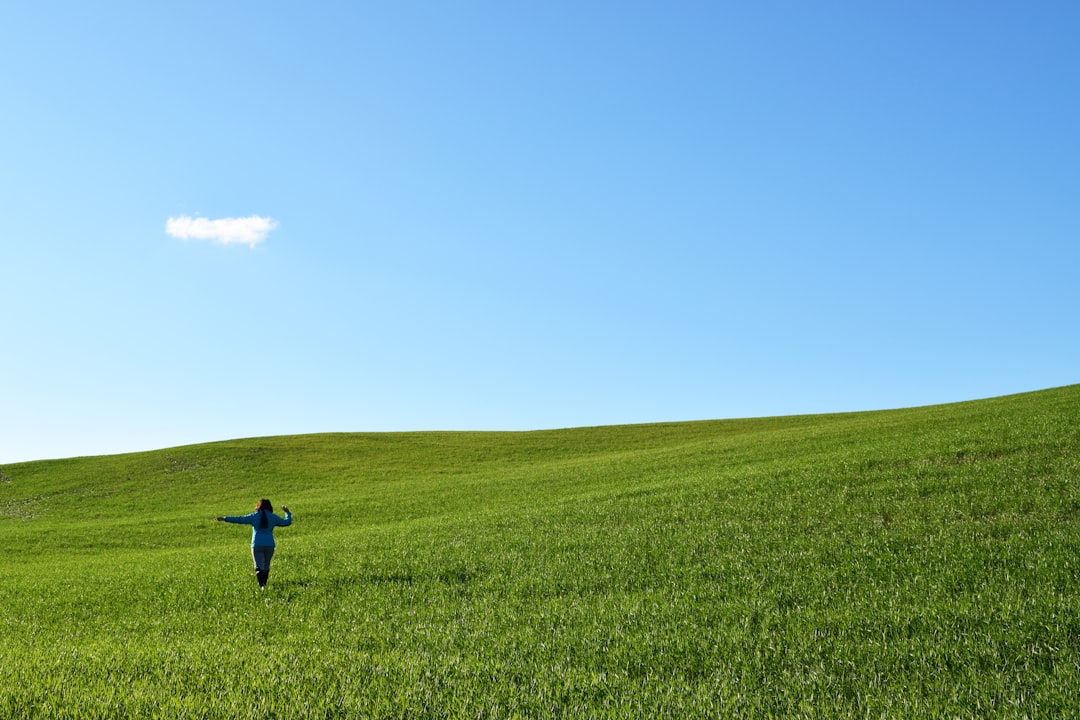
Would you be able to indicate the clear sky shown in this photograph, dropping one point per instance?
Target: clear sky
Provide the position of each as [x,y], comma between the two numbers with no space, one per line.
[238,219]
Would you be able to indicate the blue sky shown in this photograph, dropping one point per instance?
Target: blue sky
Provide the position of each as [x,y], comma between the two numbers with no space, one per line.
[508,216]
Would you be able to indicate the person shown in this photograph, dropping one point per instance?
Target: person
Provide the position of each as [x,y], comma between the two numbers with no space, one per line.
[262,522]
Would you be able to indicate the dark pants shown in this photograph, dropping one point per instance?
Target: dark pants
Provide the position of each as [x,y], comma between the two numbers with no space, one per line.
[262,557]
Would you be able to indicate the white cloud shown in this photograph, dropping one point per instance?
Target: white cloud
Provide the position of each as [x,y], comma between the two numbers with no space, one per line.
[248,231]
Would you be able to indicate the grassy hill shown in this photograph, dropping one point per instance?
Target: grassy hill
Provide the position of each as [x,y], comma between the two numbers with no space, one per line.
[908,563]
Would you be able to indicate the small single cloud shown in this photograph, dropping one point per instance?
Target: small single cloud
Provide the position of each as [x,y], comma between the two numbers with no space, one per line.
[248,231]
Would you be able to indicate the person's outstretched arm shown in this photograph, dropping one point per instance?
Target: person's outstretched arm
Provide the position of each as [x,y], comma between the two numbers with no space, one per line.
[242,519]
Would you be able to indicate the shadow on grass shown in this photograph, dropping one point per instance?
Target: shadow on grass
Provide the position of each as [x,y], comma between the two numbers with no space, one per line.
[452,576]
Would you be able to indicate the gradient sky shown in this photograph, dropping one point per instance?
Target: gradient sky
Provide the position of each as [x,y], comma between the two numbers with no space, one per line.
[237,219]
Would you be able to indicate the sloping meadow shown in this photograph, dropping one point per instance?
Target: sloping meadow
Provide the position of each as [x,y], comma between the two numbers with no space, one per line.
[919,562]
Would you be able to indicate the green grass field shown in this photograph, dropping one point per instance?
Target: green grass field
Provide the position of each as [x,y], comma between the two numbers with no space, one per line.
[908,563]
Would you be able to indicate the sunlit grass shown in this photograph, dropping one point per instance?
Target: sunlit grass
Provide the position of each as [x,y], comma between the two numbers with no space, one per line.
[912,563]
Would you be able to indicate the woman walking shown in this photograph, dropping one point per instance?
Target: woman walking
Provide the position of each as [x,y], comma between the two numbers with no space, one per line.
[262,522]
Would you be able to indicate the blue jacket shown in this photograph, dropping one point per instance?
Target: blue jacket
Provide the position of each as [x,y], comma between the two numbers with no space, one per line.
[261,537]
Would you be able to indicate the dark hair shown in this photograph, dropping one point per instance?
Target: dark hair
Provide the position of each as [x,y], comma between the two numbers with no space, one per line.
[264,507]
